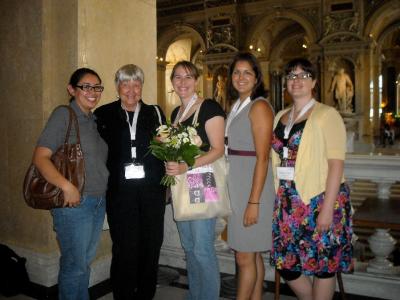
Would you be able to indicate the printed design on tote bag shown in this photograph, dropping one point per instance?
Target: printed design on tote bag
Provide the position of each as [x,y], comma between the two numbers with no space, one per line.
[202,185]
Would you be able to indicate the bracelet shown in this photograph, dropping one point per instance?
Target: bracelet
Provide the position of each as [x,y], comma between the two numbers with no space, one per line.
[253,202]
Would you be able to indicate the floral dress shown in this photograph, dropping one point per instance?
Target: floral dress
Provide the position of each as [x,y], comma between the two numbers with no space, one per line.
[297,246]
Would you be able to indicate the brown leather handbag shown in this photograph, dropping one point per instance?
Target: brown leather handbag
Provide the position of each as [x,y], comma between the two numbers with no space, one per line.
[68,160]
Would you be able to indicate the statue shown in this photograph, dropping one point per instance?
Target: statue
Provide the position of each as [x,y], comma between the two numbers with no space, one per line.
[209,37]
[329,25]
[344,91]
[219,93]
[354,23]
[228,35]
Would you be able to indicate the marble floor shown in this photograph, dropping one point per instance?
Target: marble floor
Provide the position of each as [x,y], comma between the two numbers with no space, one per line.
[172,285]
[163,293]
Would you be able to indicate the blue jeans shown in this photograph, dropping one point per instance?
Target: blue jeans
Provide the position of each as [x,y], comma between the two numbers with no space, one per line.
[197,238]
[78,233]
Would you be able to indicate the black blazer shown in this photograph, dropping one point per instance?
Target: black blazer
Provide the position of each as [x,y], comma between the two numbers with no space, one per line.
[113,128]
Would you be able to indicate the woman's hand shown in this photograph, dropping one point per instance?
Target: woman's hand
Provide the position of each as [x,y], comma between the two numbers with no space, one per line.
[72,197]
[250,215]
[335,171]
[174,168]
[325,218]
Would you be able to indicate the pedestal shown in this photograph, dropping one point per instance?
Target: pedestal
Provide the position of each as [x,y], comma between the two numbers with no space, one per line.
[384,188]
[350,123]
[381,244]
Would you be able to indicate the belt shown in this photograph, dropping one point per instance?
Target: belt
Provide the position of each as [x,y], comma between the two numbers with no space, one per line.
[241,152]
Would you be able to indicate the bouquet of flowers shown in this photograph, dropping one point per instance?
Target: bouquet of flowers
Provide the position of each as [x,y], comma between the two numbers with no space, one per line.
[175,143]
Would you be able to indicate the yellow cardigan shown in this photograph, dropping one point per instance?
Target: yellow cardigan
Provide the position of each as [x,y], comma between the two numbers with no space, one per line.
[323,138]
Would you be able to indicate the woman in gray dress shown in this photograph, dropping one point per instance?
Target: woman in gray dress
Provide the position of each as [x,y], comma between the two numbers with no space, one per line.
[249,133]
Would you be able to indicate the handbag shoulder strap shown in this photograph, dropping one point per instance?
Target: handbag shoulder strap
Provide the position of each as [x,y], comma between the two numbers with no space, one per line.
[73,120]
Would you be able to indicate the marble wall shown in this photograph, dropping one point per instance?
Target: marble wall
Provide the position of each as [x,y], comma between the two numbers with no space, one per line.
[42,43]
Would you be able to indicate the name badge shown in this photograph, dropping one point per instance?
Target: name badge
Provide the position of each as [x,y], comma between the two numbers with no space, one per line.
[133,171]
[285,173]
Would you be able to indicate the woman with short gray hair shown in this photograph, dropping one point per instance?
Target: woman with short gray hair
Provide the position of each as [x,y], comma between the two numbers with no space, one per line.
[129,72]
[135,198]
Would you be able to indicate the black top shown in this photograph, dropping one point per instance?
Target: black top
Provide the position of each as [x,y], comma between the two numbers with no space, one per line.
[209,109]
[114,129]
[280,129]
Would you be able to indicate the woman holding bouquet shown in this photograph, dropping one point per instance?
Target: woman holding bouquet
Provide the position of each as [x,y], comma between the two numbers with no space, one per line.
[249,133]
[197,236]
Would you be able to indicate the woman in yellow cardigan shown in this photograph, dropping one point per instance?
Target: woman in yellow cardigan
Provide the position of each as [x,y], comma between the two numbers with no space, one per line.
[312,215]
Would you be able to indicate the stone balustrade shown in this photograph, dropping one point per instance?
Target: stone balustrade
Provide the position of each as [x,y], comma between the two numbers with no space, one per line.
[381,169]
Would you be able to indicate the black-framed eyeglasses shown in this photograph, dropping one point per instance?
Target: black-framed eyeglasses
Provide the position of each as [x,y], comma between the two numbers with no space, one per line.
[302,75]
[89,88]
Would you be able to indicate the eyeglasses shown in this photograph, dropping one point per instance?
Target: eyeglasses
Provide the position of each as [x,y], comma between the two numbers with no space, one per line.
[89,88]
[300,76]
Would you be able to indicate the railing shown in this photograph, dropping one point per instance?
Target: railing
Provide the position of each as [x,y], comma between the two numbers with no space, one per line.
[384,170]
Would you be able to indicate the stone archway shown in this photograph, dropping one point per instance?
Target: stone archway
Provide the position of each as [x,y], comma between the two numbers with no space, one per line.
[279,36]
[175,43]
[175,32]
[382,23]
[382,18]
[257,30]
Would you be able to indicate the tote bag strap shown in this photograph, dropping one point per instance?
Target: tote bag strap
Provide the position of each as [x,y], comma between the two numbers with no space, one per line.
[195,117]
[196,114]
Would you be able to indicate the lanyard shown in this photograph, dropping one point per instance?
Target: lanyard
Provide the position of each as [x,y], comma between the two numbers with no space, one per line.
[133,126]
[236,109]
[181,116]
[291,121]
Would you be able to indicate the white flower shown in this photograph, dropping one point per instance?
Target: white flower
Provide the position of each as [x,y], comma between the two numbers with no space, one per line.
[192,131]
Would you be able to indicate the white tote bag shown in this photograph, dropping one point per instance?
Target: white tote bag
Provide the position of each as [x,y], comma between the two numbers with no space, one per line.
[202,193]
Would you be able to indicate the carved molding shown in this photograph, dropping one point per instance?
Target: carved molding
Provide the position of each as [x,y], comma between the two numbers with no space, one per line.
[312,14]
[371,6]
[221,29]
[331,61]
[340,37]
[349,22]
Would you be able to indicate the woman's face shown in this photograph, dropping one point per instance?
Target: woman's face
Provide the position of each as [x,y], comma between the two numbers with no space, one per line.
[243,79]
[301,86]
[130,92]
[184,83]
[85,95]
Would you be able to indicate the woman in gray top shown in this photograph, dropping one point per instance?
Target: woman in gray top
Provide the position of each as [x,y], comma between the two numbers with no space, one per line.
[78,224]
[249,132]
